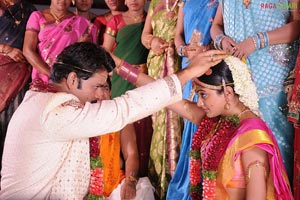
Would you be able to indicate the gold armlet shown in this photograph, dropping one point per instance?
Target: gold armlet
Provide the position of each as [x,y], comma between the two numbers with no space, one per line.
[188,111]
[255,164]
[111,32]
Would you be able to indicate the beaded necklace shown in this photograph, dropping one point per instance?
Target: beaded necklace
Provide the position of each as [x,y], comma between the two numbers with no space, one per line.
[209,143]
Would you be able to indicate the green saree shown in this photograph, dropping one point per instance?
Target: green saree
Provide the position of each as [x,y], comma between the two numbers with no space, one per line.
[130,48]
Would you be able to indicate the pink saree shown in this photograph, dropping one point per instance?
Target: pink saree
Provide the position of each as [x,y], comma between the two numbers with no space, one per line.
[53,38]
[254,132]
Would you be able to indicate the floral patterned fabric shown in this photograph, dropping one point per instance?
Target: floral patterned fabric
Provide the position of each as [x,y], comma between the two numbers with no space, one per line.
[166,138]
[270,66]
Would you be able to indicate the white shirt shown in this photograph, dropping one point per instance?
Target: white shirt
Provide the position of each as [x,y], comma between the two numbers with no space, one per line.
[46,151]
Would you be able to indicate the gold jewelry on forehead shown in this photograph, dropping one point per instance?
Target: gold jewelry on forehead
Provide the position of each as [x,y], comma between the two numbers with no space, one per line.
[74,67]
[199,85]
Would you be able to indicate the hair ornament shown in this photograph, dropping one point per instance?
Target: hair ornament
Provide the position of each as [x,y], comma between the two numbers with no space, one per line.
[243,83]
[69,66]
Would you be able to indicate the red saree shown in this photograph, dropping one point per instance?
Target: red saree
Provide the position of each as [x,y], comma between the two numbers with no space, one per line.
[294,117]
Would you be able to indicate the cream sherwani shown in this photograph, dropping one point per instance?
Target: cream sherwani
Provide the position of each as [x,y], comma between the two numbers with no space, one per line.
[46,152]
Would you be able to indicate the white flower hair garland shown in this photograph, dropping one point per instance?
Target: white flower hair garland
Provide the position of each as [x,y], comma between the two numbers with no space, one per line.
[243,83]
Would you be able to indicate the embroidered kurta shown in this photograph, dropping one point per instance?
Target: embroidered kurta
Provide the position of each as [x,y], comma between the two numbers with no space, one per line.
[46,153]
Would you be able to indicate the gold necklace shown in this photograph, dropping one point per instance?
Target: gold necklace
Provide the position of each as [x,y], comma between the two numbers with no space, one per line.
[170,11]
[242,112]
[136,18]
[246,3]
[57,19]
[17,22]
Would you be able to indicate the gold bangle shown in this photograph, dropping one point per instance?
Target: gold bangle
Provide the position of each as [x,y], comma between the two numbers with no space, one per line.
[149,40]
[288,88]
[131,179]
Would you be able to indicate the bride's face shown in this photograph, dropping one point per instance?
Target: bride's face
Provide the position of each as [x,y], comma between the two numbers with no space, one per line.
[211,101]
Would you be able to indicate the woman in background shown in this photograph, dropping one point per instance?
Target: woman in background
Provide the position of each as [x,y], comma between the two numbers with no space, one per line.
[13,18]
[264,38]
[294,117]
[83,8]
[115,7]
[49,31]
[123,38]
[158,36]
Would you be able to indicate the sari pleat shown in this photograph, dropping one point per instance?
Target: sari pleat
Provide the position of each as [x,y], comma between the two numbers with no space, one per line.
[194,10]
[165,144]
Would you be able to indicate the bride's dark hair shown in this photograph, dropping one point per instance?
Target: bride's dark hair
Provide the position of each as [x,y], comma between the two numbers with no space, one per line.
[219,72]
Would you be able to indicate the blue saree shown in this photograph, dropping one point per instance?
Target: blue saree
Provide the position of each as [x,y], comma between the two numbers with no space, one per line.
[270,66]
[197,15]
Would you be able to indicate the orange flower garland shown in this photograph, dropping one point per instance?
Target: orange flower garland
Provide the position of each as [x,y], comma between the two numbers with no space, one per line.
[209,143]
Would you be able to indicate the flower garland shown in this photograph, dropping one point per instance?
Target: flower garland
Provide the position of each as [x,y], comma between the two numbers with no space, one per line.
[243,83]
[209,144]
[96,184]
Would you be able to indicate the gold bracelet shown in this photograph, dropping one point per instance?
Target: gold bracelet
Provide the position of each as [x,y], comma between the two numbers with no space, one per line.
[288,88]
[149,40]
[131,179]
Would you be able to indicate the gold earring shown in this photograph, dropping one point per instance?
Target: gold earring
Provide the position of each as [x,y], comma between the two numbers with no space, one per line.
[227,106]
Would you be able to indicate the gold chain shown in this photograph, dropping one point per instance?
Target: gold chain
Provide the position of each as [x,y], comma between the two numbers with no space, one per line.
[57,19]
[136,18]
[17,22]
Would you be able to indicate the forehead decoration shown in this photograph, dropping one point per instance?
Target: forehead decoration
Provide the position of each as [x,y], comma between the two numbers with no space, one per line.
[242,81]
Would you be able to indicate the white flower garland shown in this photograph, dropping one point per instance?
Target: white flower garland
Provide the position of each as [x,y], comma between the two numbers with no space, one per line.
[243,83]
